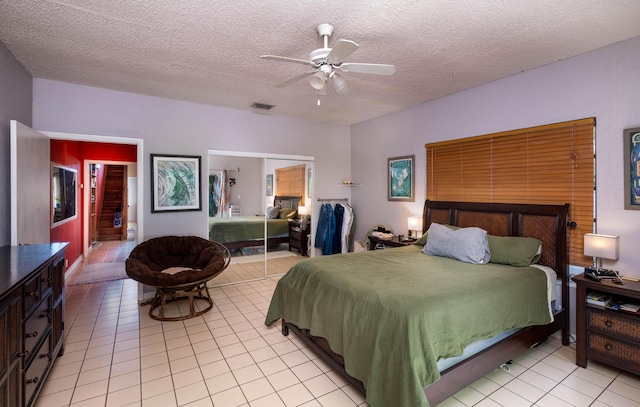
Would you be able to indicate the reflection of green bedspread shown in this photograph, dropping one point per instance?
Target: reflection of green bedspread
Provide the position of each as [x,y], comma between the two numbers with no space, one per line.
[241,228]
[393,313]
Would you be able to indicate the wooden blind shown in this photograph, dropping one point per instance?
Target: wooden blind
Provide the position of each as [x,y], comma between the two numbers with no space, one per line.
[551,164]
[291,181]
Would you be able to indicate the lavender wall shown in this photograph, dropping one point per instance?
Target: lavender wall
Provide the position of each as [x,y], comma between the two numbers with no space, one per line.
[174,127]
[16,87]
[604,84]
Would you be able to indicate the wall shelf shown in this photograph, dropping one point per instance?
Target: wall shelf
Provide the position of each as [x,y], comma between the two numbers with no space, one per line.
[351,184]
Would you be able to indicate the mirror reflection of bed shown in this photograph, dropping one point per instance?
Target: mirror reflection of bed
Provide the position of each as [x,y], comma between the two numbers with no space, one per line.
[241,198]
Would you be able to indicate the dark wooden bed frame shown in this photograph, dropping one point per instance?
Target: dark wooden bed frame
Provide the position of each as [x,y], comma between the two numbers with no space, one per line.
[545,222]
[271,241]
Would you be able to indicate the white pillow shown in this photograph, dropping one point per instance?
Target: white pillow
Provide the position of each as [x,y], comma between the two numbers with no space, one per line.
[466,244]
[272,213]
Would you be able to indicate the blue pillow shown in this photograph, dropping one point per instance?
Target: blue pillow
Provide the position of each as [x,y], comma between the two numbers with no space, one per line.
[466,244]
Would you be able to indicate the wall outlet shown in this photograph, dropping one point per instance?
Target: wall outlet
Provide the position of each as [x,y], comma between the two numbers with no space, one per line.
[66,263]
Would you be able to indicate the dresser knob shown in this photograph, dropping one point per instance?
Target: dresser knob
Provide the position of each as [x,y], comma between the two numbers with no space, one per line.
[608,347]
[24,354]
[609,324]
[34,380]
[32,334]
[34,293]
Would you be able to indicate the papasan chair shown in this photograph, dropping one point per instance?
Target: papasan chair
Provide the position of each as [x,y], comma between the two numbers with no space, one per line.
[178,267]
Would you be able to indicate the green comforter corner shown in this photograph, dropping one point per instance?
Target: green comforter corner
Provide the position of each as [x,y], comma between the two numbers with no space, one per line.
[394,313]
[242,228]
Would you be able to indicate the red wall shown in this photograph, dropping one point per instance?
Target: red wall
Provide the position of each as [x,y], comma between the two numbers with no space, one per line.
[67,153]
[72,154]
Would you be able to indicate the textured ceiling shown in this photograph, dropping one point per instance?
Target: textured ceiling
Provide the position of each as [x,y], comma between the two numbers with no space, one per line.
[207,51]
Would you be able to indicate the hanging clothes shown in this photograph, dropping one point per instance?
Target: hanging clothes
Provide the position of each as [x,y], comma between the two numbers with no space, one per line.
[347,228]
[334,232]
[223,205]
[337,236]
[323,225]
[327,248]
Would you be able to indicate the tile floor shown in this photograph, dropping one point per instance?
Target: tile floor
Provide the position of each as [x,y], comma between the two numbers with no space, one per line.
[115,355]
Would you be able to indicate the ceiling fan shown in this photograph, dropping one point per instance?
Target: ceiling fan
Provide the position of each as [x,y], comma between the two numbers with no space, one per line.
[327,61]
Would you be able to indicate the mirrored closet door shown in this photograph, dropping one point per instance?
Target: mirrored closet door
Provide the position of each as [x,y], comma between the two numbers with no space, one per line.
[254,202]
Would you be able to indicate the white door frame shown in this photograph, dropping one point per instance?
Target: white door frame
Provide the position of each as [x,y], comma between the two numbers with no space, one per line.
[140,170]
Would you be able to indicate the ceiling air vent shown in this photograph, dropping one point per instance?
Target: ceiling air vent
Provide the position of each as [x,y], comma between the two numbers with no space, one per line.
[262,106]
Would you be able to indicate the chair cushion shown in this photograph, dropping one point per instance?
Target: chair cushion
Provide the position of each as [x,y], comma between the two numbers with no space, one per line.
[205,258]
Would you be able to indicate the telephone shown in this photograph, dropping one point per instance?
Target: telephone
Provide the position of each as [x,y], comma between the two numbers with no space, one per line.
[599,274]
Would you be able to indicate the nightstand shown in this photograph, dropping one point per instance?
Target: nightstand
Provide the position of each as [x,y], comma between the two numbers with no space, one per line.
[375,243]
[299,238]
[607,335]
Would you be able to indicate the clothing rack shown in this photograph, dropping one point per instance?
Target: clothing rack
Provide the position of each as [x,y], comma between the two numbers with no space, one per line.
[333,199]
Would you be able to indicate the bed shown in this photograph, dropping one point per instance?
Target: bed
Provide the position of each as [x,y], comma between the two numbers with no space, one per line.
[236,232]
[380,335]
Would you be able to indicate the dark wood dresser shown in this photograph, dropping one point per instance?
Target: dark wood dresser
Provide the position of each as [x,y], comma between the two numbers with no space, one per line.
[31,318]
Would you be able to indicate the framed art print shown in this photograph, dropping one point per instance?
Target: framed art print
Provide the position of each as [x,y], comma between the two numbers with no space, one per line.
[401,178]
[269,184]
[175,183]
[631,162]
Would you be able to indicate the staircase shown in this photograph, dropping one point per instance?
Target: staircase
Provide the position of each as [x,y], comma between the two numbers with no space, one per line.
[112,201]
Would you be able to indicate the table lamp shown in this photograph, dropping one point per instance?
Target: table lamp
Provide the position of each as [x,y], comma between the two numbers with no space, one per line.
[414,224]
[302,211]
[601,247]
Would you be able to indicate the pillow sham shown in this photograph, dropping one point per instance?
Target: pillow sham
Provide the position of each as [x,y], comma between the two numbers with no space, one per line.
[465,244]
[272,213]
[514,250]
[286,213]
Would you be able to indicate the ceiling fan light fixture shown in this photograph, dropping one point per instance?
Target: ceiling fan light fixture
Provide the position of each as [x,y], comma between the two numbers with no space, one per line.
[338,83]
[317,80]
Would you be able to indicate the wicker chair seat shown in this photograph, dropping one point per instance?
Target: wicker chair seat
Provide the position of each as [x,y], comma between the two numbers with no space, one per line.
[201,260]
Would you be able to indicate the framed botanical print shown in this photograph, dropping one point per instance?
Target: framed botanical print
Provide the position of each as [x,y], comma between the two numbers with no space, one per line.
[401,178]
[631,162]
[175,183]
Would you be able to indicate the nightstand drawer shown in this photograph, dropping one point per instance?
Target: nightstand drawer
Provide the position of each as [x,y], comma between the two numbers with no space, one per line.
[610,323]
[613,348]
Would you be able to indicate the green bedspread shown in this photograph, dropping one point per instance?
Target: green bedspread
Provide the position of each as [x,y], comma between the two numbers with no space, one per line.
[393,313]
[241,228]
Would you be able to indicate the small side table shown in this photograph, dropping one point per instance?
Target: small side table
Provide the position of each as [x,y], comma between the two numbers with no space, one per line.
[299,238]
[376,243]
[606,335]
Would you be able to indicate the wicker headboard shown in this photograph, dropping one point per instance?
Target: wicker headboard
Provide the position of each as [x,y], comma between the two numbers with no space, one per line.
[285,201]
[545,222]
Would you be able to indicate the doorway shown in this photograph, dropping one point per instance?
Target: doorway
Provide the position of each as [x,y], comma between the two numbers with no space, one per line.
[116,250]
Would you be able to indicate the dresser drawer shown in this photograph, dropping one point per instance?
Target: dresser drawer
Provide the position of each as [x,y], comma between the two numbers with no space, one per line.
[35,373]
[36,326]
[610,323]
[613,348]
[32,293]
[45,279]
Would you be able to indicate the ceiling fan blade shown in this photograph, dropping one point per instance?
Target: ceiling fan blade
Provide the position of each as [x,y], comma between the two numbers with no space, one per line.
[376,69]
[286,59]
[295,79]
[342,49]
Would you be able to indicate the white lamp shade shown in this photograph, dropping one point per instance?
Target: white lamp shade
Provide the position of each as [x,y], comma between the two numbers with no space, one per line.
[302,210]
[338,84]
[601,246]
[414,223]
[317,80]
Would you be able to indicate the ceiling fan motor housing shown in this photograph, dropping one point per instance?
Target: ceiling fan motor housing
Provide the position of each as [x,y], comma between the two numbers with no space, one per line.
[319,56]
